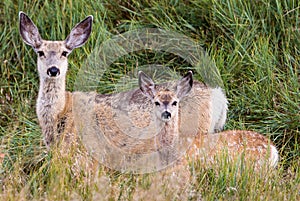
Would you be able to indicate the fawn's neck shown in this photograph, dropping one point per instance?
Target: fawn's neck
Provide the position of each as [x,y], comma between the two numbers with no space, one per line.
[169,132]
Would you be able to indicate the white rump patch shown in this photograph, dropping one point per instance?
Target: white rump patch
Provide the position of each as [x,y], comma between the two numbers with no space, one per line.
[274,158]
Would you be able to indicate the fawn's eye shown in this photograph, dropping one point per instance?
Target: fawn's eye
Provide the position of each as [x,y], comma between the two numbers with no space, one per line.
[64,53]
[174,103]
[41,53]
[157,103]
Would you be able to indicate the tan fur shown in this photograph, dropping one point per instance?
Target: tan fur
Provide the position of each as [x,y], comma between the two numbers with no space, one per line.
[244,145]
[111,118]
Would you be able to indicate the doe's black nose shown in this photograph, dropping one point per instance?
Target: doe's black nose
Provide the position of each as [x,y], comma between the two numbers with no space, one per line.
[166,115]
[53,71]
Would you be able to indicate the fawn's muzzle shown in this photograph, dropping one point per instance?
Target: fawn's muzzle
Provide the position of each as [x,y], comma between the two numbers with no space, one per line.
[166,116]
[53,71]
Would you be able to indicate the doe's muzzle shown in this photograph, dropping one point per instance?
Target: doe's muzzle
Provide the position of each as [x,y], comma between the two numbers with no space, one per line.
[53,71]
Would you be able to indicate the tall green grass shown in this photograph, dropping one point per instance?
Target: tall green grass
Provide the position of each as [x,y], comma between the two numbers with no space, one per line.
[254,44]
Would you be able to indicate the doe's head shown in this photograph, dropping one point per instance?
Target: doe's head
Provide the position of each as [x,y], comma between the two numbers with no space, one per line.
[166,101]
[52,55]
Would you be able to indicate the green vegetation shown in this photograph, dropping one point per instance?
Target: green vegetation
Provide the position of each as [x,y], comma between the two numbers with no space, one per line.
[254,44]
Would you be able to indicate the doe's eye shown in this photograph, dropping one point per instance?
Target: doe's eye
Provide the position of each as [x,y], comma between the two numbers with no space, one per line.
[64,53]
[157,103]
[41,53]
[174,103]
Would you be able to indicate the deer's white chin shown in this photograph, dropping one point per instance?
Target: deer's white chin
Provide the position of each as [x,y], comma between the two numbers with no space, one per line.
[166,119]
[47,77]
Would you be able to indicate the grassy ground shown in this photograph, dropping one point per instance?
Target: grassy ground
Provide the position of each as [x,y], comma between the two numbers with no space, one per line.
[254,44]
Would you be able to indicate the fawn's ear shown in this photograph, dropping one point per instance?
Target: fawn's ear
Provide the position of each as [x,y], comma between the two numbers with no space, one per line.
[147,85]
[80,33]
[184,85]
[28,31]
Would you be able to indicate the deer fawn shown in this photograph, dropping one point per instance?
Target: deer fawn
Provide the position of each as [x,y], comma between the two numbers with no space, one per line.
[254,146]
[55,106]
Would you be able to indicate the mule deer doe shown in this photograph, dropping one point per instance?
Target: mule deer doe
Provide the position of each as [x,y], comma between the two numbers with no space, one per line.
[55,108]
[255,147]
[53,101]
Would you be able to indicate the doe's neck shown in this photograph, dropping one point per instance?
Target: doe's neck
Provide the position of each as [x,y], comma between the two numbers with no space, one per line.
[52,94]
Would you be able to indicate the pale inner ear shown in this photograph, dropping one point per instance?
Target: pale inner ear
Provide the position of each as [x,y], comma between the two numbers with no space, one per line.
[79,34]
[184,85]
[29,32]
[147,85]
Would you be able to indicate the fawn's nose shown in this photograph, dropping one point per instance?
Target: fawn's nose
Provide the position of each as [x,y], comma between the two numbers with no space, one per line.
[53,71]
[166,116]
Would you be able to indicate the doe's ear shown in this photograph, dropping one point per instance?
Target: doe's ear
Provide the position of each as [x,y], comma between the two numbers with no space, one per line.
[80,33]
[28,31]
[147,85]
[184,85]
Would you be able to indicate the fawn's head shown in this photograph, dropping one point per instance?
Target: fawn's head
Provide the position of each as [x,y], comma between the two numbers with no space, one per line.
[52,55]
[165,101]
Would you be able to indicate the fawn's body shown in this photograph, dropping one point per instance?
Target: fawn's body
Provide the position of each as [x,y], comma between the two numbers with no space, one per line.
[166,103]
[234,143]
[58,117]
